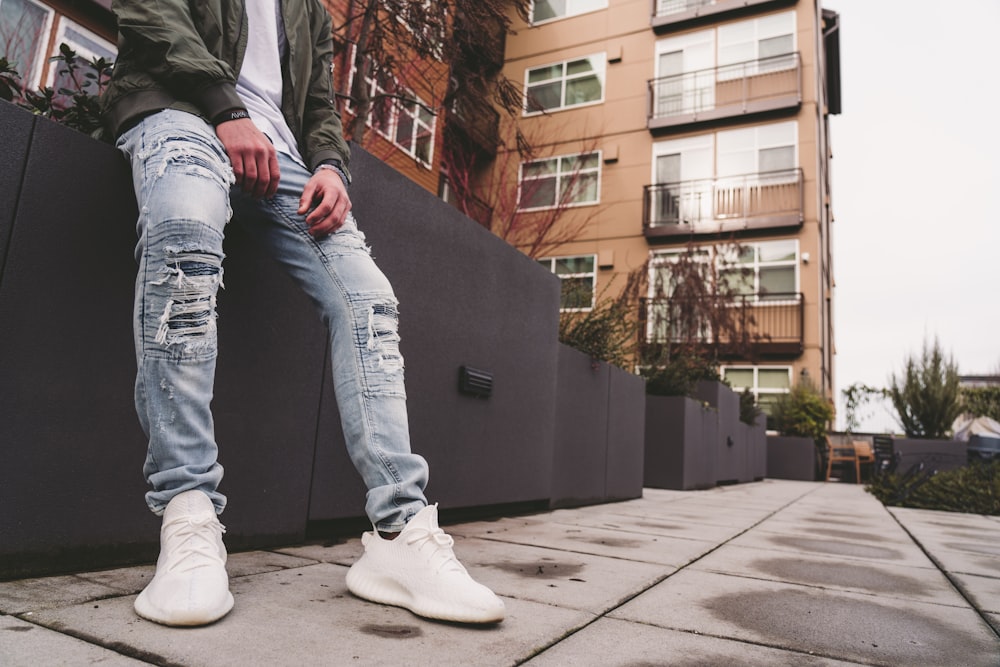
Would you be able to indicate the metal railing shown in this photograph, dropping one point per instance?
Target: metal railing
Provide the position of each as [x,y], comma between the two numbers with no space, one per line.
[711,201]
[767,322]
[667,7]
[737,88]
[666,11]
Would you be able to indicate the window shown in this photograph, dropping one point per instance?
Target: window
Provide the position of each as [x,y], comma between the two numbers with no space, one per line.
[578,280]
[24,29]
[757,150]
[569,180]
[768,269]
[549,10]
[766,383]
[87,46]
[564,85]
[761,41]
[400,116]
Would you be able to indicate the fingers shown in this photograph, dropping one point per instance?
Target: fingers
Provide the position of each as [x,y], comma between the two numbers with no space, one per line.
[253,157]
[326,195]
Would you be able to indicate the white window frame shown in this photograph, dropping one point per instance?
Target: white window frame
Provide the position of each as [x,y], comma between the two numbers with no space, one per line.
[756,265]
[592,274]
[33,79]
[741,67]
[599,62]
[756,389]
[573,8]
[560,176]
[759,144]
[397,109]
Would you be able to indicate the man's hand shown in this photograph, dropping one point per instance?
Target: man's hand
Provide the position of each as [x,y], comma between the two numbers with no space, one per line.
[254,160]
[327,196]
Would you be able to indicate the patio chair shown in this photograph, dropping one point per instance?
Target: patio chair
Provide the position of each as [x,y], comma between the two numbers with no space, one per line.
[842,454]
[866,455]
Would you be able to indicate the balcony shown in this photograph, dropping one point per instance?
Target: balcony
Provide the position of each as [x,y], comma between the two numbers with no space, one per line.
[751,87]
[671,14]
[476,124]
[712,206]
[770,325]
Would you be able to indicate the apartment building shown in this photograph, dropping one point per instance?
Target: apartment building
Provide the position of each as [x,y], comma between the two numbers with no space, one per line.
[669,125]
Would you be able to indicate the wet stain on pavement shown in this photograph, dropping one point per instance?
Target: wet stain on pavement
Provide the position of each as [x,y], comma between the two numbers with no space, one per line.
[845,575]
[392,631]
[978,548]
[540,569]
[618,542]
[848,534]
[659,526]
[843,627]
[835,547]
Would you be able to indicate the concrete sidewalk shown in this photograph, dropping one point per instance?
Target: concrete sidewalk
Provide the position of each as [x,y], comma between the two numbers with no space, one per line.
[770,573]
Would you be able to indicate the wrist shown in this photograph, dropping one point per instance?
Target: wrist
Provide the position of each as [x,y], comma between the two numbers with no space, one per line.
[230,114]
[335,168]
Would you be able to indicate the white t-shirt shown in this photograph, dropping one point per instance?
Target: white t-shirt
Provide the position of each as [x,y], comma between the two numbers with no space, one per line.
[259,84]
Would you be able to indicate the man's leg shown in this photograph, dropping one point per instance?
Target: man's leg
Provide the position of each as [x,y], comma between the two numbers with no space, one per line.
[182,179]
[419,570]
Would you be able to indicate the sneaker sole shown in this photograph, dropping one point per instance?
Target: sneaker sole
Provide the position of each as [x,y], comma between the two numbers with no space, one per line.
[191,619]
[384,590]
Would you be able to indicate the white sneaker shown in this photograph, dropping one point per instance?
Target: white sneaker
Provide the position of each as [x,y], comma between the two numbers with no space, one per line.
[191,586]
[418,571]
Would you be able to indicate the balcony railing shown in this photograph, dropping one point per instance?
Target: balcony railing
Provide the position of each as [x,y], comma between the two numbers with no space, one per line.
[709,206]
[671,13]
[477,122]
[769,324]
[743,88]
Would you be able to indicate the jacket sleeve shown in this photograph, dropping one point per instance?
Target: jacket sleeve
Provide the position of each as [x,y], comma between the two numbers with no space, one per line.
[322,130]
[160,37]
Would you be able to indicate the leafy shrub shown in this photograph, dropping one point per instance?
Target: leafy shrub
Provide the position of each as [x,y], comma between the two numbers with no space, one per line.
[607,332]
[802,412]
[680,375]
[926,396]
[981,401]
[748,408]
[974,489]
[78,106]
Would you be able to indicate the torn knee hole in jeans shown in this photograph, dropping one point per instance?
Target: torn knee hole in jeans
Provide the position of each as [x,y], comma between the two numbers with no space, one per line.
[383,335]
[189,315]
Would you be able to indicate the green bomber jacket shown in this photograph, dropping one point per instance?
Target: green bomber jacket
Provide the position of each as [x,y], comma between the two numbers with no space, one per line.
[187,55]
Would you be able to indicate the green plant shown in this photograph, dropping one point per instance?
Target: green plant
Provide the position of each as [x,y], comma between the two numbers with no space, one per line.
[679,375]
[802,412]
[748,408]
[981,401]
[856,398]
[76,105]
[974,489]
[926,397]
[607,332]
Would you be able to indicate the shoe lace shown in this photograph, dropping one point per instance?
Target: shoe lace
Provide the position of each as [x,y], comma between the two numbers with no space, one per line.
[440,545]
[194,542]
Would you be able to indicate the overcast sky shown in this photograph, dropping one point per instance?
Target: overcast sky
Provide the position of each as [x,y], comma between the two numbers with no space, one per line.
[916,188]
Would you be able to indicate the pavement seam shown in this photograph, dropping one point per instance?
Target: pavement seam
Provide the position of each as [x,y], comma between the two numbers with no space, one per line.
[660,580]
[957,585]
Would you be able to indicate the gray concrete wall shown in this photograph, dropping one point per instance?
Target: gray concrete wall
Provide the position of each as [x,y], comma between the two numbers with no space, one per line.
[71,451]
[600,424]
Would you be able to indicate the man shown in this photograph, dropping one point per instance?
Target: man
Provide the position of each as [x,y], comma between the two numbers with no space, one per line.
[224,109]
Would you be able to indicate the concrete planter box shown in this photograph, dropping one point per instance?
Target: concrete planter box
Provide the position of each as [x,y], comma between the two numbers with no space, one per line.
[71,451]
[792,457]
[732,444]
[600,423]
[937,455]
[681,436]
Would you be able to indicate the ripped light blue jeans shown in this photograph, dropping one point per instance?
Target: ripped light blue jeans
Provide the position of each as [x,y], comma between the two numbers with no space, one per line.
[183,185]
